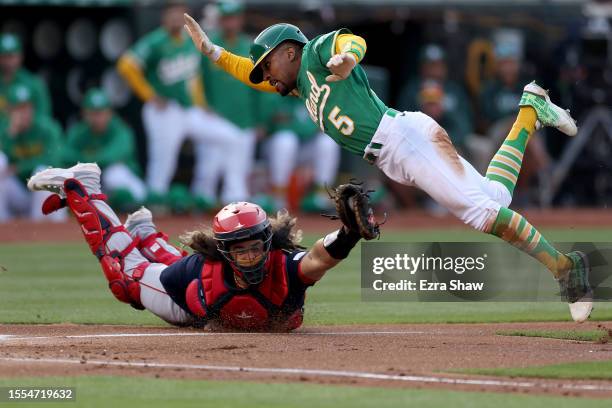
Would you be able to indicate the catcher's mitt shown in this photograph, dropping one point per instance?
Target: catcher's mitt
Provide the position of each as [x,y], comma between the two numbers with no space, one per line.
[353,208]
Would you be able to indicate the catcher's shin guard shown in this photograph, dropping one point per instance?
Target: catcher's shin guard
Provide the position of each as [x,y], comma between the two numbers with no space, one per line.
[125,288]
[157,249]
[95,226]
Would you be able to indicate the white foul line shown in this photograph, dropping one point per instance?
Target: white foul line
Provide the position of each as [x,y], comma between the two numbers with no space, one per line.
[95,336]
[325,373]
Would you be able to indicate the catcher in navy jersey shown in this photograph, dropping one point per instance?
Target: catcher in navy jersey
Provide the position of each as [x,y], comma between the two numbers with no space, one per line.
[247,272]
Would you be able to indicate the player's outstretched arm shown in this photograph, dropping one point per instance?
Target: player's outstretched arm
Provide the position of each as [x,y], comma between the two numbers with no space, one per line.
[349,51]
[236,66]
[326,253]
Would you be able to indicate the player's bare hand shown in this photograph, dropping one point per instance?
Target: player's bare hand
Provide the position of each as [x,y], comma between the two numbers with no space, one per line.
[198,36]
[340,66]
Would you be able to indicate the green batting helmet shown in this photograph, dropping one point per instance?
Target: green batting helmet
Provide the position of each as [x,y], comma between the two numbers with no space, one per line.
[267,41]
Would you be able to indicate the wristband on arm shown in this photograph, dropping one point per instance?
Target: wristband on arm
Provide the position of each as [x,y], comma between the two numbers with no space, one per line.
[339,243]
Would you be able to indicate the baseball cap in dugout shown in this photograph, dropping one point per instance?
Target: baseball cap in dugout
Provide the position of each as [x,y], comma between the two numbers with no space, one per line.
[18,95]
[96,99]
[230,7]
[431,91]
[9,44]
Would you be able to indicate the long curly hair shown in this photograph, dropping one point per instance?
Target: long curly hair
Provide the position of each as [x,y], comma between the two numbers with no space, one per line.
[285,236]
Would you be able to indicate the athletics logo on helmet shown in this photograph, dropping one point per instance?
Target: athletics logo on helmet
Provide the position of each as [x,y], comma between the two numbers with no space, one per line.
[267,41]
[240,222]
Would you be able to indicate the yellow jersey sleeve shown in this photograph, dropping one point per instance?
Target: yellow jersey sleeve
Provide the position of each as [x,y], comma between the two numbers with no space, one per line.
[240,68]
[131,72]
[351,43]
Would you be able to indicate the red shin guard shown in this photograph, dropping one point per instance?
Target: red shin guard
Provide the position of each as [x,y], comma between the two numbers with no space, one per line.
[126,289]
[155,249]
[94,225]
[97,228]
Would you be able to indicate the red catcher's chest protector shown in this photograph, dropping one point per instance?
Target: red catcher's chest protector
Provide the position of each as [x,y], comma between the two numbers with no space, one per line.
[251,309]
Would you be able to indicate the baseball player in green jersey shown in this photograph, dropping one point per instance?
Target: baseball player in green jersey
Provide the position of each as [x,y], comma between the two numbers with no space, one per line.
[28,143]
[295,140]
[163,70]
[237,104]
[409,147]
[12,73]
[103,138]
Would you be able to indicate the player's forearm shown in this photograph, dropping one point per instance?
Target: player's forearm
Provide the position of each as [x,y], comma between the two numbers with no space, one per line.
[317,262]
[240,68]
[352,44]
[133,75]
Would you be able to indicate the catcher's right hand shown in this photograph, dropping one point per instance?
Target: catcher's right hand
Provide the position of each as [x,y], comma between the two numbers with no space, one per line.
[198,36]
[353,207]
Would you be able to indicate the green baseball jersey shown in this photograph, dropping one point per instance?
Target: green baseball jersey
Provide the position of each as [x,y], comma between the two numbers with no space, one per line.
[36,86]
[169,64]
[288,114]
[348,111]
[226,95]
[38,146]
[115,145]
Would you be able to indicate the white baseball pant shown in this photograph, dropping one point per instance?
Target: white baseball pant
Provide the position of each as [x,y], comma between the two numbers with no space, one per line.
[119,176]
[15,199]
[285,153]
[166,131]
[417,151]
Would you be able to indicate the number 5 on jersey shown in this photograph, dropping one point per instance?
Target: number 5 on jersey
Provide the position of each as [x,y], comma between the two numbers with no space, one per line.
[343,123]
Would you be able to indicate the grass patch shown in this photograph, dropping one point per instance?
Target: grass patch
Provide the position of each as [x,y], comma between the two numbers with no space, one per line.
[591,370]
[597,336]
[62,282]
[131,392]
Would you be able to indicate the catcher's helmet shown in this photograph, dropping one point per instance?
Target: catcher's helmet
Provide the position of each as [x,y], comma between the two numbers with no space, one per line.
[267,41]
[238,222]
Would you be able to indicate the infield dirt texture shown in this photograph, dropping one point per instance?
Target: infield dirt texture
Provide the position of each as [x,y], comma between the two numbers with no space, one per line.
[59,325]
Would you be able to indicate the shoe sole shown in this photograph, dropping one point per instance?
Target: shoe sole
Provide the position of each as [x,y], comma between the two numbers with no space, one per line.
[582,308]
[52,179]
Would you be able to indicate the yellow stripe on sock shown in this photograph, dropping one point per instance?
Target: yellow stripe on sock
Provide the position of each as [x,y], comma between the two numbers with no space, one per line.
[525,233]
[502,173]
[513,151]
[534,242]
[507,162]
[514,221]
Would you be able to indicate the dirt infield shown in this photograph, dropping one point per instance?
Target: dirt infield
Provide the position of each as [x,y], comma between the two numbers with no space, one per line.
[27,231]
[413,356]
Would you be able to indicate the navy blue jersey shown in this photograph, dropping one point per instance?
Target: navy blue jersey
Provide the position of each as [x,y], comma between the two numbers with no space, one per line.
[177,277]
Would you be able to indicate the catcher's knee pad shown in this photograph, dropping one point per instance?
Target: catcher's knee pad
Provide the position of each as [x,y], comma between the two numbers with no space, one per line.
[157,249]
[125,288]
[95,226]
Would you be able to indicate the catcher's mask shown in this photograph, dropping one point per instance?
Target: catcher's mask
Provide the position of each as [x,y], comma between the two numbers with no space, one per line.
[246,223]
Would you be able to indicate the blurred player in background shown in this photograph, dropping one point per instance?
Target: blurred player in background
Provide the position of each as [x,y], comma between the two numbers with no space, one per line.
[455,103]
[163,70]
[103,138]
[12,73]
[431,98]
[295,140]
[237,104]
[409,147]
[28,143]
[248,272]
